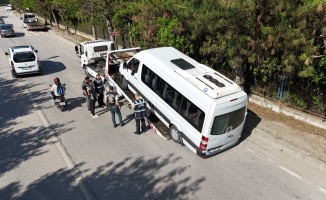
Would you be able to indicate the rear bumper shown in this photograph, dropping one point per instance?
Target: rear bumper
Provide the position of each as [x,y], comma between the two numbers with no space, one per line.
[8,34]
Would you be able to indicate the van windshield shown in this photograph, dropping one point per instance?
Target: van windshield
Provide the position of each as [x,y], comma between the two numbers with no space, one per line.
[24,57]
[228,122]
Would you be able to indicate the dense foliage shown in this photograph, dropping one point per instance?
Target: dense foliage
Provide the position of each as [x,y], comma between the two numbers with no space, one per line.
[271,47]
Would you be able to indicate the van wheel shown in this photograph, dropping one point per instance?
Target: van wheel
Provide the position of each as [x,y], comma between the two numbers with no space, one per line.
[40,71]
[13,73]
[175,134]
[124,85]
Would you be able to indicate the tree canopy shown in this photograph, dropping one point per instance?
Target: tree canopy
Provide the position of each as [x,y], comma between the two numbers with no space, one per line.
[273,48]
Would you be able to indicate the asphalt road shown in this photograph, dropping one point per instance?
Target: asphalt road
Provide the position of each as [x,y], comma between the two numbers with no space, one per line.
[48,154]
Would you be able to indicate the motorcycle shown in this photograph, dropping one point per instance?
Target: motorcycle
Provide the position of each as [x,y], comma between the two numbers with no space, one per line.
[59,101]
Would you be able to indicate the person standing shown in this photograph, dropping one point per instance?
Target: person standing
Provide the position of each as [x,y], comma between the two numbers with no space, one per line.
[92,97]
[99,89]
[85,93]
[140,113]
[112,102]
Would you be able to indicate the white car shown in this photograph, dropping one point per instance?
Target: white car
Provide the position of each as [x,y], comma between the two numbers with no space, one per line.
[23,60]
[8,8]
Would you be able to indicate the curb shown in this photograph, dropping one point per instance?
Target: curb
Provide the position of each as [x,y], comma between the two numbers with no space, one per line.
[296,114]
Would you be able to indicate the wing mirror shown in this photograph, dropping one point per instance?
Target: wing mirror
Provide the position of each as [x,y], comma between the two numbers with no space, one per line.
[6,53]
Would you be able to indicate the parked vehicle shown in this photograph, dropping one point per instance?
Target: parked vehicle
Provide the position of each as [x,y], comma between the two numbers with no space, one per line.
[6,30]
[187,101]
[91,53]
[31,22]
[23,60]
[28,16]
[8,7]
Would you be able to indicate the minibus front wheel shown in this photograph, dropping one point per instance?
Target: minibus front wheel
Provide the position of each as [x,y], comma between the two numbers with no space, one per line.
[175,134]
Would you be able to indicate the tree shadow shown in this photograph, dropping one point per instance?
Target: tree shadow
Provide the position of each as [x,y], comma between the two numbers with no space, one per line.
[130,178]
[19,142]
[252,120]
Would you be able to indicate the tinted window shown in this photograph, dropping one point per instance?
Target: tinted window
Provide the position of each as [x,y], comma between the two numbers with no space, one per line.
[6,27]
[24,57]
[182,64]
[100,48]
[227,122]
[189,111]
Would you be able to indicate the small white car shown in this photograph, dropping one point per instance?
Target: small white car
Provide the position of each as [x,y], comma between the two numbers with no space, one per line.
[9,7]
[23,60]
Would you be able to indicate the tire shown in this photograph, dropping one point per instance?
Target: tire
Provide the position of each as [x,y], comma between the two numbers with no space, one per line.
[13,73]
[175,134]
[40,71]
[62,108]
[124,85]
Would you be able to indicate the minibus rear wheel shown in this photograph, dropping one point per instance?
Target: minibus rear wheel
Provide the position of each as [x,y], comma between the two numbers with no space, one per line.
[175,134]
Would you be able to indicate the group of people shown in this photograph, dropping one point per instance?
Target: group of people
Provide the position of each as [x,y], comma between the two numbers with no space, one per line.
[94,92]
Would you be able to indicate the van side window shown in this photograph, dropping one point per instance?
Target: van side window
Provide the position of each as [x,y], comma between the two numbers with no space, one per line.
[133,65]
[189,111]
[147,76]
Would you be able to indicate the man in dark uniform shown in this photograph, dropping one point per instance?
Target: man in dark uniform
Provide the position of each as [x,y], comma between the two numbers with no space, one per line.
[140,113]
[99,89]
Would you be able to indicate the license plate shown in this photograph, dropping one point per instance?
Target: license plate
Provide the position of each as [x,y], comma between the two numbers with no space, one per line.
[62,103]
[26,68]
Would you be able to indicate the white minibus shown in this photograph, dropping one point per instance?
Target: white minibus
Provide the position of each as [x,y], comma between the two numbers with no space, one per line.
[202,108]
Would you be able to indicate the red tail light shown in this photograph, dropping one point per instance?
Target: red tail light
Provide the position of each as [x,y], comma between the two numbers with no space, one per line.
[12,63]
[203,143]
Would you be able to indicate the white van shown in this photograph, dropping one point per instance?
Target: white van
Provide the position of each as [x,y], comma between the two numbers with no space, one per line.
[202,108]
[23,60]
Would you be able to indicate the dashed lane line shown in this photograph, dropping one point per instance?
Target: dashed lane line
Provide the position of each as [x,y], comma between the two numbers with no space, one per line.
[79,179]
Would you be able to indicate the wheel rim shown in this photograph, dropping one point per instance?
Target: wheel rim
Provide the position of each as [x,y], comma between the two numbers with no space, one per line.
[174,134]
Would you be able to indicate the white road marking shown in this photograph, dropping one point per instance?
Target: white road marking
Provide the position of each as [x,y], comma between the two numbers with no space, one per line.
[80,181]
[302,179]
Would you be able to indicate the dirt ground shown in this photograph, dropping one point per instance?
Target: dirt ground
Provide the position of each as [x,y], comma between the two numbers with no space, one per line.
[304,136]
[308,138]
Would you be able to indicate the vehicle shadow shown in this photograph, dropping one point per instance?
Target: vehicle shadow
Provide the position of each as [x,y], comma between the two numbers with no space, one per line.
[20,34]
[51,67]
[252,120]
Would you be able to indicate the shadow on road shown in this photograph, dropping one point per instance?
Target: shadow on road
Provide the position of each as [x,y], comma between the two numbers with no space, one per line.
[131,178]
[252,120]
[18,141]
[51,67]
[73,103]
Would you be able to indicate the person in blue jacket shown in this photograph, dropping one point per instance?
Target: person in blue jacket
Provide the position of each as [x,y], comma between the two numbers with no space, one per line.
[140,113]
